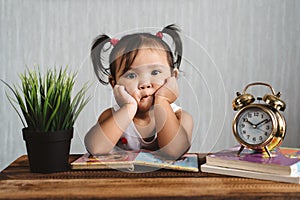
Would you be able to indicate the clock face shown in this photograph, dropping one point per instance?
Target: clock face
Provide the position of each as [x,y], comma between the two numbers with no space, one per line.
[254,126]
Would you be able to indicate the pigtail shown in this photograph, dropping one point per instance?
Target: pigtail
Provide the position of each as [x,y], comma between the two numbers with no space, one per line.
[173,31]
[97,48]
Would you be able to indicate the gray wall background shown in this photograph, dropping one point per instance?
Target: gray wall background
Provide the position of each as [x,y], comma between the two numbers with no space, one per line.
[227,44]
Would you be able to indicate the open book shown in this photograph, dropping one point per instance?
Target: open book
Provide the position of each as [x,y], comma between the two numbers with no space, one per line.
[129,159]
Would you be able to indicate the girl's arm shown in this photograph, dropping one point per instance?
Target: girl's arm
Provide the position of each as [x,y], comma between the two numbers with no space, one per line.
[103,136]
[174,129]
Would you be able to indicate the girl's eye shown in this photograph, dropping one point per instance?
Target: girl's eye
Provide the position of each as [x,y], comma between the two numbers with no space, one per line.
[155,72]
[130,75]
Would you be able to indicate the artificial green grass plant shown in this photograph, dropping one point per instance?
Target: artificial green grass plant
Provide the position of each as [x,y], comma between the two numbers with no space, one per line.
[46,101]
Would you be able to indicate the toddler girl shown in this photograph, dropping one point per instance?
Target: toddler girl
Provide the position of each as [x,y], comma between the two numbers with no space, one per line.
[142,72]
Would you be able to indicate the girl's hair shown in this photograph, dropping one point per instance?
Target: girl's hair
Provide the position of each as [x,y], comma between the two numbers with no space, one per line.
[126,50]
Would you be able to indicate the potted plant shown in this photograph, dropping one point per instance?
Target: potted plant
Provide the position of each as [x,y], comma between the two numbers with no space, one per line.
[48,113]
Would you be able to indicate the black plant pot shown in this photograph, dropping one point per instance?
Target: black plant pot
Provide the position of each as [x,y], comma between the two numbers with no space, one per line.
[48,152]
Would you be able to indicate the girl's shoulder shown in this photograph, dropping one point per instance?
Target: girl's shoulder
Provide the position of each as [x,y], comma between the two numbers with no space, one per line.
[105,114]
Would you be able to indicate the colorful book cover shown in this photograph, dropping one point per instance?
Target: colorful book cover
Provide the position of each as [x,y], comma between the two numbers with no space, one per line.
[128,159]
[114,160]
[250,174]
[284,161]
[188,162]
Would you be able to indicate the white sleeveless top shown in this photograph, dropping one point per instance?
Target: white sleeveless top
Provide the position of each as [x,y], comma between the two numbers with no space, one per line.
[132,140]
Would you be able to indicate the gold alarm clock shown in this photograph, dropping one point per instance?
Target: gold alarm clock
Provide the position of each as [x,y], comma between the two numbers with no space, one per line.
[259,126]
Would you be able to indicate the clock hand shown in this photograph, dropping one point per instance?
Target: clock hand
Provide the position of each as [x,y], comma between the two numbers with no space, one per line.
[262,122]
[253,125]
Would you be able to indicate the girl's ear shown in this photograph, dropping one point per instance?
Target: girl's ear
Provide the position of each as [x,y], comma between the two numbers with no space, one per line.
[112,81]
[175,72]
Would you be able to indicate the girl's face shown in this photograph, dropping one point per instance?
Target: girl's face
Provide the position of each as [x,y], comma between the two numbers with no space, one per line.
[145,76]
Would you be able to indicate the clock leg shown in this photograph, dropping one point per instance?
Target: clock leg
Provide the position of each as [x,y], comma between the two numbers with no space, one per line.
[240,150]
[268,152]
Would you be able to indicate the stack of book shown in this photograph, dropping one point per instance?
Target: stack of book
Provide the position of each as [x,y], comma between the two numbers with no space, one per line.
[282,166]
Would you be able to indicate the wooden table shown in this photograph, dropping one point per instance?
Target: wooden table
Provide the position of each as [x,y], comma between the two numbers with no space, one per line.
[16,182]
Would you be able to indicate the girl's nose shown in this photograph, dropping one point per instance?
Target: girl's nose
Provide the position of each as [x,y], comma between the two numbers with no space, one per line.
[145,86]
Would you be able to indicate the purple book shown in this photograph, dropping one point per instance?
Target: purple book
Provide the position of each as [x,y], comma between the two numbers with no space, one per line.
[284,161]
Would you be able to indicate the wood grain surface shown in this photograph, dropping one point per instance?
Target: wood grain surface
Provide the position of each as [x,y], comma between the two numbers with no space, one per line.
[16,182]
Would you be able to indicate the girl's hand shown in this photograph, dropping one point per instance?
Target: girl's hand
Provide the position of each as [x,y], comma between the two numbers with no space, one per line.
[168,91]
[123,97]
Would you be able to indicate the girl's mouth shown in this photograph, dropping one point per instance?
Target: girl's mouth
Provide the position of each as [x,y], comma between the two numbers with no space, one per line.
[145,97]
